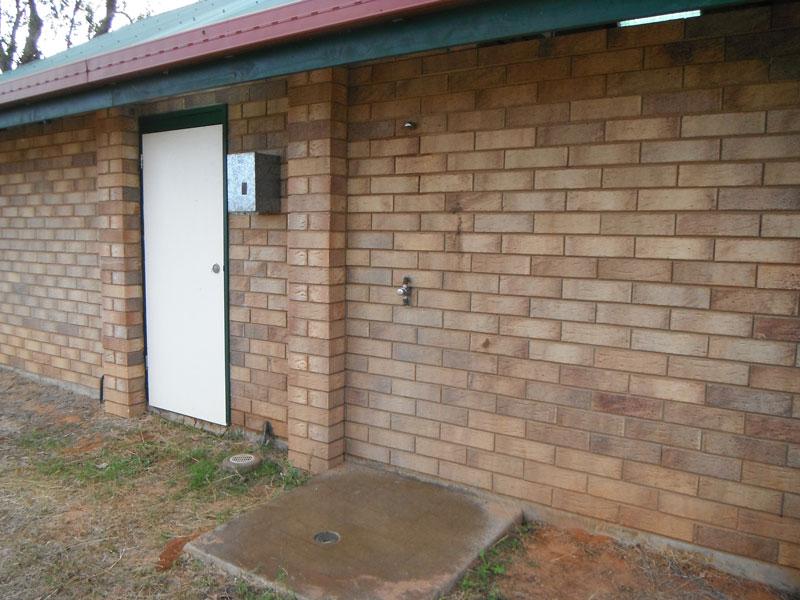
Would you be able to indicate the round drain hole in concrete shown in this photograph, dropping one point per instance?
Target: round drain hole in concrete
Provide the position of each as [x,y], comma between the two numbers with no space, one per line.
[241,463]
[325,538]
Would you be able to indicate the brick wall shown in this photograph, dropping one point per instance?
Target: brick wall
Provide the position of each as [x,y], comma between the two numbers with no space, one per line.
[601,230]
[257,255]
[50,313]
[602,233]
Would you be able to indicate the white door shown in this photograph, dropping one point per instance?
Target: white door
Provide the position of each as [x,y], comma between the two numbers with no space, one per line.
[184,220]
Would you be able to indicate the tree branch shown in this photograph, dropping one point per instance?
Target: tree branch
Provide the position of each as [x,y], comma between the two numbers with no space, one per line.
[31,50]
[8,49]
[104,26]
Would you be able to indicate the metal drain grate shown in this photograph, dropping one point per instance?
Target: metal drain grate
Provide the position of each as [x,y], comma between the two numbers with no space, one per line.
[327,537]
[242,459]
[241,463]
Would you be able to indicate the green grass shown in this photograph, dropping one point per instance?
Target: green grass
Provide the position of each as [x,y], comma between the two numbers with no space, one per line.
[42,440]
[480,580]
[207,476]
[190,463]
[110,465]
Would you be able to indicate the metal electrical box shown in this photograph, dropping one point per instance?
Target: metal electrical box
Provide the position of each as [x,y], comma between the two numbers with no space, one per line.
[254,182]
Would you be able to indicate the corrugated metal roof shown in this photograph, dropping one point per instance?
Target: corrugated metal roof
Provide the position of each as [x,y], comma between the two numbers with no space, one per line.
[200,14]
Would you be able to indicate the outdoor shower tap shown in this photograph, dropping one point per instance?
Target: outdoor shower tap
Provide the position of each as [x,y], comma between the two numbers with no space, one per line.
[404,291]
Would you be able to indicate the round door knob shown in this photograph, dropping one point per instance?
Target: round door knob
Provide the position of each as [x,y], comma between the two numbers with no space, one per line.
[215,268]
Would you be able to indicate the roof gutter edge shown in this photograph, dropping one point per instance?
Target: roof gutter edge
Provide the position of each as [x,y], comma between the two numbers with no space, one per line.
[279,24]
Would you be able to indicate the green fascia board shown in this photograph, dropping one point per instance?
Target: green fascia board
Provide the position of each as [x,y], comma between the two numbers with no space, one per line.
[475,23]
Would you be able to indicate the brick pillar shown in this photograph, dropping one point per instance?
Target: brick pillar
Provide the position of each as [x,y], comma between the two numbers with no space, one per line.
[317,178]
[118,197]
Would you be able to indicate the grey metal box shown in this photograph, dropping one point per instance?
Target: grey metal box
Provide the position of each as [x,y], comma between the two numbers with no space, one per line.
[254,182]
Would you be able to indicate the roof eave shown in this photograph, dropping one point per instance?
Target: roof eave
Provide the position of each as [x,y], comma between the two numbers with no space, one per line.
[280,24]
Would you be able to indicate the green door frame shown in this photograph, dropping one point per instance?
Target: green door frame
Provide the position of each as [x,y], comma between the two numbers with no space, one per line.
[186,119]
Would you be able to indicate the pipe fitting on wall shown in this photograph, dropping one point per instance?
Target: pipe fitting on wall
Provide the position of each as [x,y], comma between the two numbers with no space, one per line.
[404,291]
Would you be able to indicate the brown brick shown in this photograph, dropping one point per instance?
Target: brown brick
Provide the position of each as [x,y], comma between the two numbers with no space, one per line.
[589,333]
[723,124]
[621,491]
[575,133]
[642,129]
[557,477]
[527,449]
[524,490]
[591,421]
[773,428]
[784,379]
[625,448]
[711,322]
[772,477]
[744,447]
[708,273]
[703,416]
[684,53]
[725,74]
[626,360]
[674,248]
[634,269]
[785,226]
[708,370]
[696,509]
[589,463]
[779,278]
[737,543]
[759,199]
[677,199]
[604,154]
[768,328]
[749,400]
[607,62]
[582,504]
[719,174]
[703,464]
[605,108]
[567,178]
[663,433]
[644,82]
[680,151]
[754,351]
[659,477]
[689,101]
[576,88]
[756,301]
[598,246]
[770,526]
[656,522]
[671,295]
[760,96]
[668,389]
[639,177]
[740,495]
[467,475]
[539,70]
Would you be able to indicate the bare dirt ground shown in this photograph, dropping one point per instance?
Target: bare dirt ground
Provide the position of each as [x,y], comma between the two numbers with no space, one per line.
[93,506]
[545,562]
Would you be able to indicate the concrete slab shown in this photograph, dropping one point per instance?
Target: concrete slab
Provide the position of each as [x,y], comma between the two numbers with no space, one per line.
[400,538]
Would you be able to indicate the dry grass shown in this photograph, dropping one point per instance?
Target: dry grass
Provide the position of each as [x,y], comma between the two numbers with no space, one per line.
[88,503]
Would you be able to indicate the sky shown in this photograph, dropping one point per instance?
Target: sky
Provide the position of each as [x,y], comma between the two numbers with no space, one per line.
[52,40]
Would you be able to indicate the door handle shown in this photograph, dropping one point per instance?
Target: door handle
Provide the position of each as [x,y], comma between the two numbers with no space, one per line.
[215,268]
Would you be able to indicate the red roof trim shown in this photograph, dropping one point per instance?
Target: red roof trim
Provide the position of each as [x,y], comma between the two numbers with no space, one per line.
[282,23]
